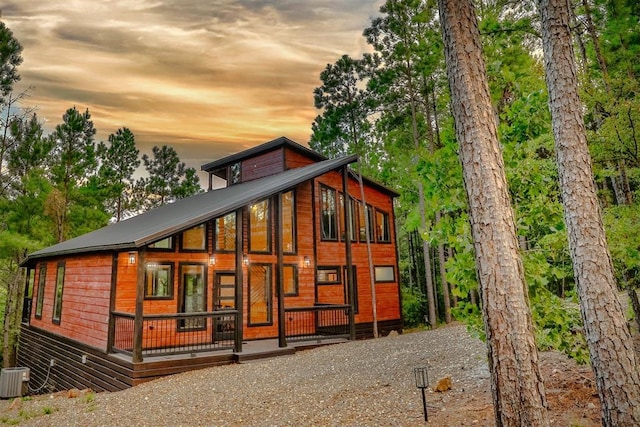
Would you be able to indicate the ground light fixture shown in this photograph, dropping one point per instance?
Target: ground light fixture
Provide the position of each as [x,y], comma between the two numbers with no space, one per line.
[422,382]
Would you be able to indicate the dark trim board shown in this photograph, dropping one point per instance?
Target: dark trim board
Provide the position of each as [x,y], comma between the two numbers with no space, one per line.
[365,330]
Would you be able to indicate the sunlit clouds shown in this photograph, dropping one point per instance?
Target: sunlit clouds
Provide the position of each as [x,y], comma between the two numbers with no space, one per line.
[208,77]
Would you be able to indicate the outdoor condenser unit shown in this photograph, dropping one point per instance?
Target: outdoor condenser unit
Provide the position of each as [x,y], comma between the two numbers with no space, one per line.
[11,381]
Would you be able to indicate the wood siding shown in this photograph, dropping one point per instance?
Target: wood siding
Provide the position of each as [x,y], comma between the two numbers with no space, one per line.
[85,299]
[294,159]
[265,164]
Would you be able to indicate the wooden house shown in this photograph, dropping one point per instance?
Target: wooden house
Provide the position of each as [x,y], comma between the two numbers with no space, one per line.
[277,257]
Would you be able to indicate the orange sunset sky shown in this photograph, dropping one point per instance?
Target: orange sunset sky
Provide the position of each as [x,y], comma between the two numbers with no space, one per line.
[209,78]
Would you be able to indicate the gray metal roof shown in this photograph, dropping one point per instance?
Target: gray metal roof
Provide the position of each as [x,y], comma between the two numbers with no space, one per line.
[185,213]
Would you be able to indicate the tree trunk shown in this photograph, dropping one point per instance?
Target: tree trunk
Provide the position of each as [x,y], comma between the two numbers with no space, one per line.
[443,277]
[431,299]
[516,383]
[635,304]
[612,355]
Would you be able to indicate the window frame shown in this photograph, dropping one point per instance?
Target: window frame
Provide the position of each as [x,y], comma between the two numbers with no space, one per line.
[171,248]
[170,285]
[268,295]
[216,233]
[182,323]
[386,226]
[355,304]
[296,288]
[365,211]
[42,281]
[56,312]
[375,273]
[205,245]
[325,189]
[235,176]
[335,268]
[294,215]
[268,249]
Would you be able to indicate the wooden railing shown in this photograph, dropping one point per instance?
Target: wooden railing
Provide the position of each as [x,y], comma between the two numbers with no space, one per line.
[317,322]
[165,334]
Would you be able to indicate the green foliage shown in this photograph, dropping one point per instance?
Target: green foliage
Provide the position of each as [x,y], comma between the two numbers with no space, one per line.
[10,59]
[414,308]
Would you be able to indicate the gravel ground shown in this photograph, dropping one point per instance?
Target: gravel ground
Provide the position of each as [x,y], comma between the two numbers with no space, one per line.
[361,383]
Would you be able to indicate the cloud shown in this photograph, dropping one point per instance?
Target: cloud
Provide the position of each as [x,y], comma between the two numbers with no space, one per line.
[208,77]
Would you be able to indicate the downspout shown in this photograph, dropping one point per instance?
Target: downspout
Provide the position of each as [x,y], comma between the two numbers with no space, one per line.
[138,321]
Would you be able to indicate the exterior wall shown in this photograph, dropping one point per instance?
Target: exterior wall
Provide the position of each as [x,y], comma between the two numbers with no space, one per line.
[85,299]
[294,159]
[388,305]
[262,165]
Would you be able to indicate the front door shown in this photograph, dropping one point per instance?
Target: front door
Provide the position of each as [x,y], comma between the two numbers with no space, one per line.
[224,298]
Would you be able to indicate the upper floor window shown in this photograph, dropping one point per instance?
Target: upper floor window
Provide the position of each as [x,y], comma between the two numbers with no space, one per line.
[329,230]
[342,220]
[57,296]
[42,279]
[365,220]
[259,227]
[226,233]
[235,173]
[382,231]
[195,239]
[288,222]
[163,245]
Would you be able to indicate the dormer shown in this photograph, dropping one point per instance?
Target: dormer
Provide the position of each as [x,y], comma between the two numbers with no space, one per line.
[267,159]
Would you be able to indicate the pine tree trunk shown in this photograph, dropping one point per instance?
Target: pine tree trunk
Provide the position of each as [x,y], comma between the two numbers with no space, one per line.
[517,387]
[443,277]
[635,304]
[612,355]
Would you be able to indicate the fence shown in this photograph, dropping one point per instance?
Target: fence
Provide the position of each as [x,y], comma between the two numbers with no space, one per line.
[317,322]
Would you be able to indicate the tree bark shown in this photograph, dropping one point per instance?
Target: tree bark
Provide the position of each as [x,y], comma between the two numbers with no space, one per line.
[516,383]
[612,355]
[446,295]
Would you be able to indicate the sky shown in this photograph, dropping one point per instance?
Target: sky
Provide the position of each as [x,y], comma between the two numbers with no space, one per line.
[208,77]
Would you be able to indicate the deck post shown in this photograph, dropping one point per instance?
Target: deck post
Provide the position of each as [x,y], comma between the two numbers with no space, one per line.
[347,249]
[112,302]
[138,321]
[282,339]
[239,280]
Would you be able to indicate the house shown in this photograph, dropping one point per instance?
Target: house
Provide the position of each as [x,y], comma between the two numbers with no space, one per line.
[277,257]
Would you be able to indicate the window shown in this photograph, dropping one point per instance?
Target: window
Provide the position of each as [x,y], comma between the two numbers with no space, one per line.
[328,220]
[384,273]
[328,275]
[362,220]
[355,287]
[382,227]
[226,233]
[42,279]
[342,221]
[259,227]
[288,222]
[163,245]
[158,281]
[259,294]
[290,279]
[195,239]
[234,173]
[57,300]
[193,295]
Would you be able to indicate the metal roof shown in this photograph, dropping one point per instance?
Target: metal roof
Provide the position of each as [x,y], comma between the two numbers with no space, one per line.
[185,213]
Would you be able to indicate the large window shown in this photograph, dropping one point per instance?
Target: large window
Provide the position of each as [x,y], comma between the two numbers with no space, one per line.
[329,230]
[355,287]
[290,273]
[57,299]
[158,281]
[259,227]
[288,222]
[193,295]
[226,233]
[42,279]
[365,219]
[342,220]
[259,294]
[382,227]
[195,239]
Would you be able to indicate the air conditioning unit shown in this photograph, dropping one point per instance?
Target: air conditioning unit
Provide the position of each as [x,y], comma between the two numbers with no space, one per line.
[11,381]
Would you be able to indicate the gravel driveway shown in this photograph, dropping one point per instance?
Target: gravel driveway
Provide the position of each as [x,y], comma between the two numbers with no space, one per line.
[360,383]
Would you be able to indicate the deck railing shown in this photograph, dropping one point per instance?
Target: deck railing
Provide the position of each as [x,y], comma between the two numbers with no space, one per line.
[317,322]
[165,334]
